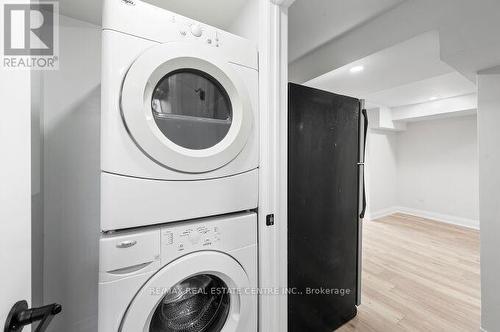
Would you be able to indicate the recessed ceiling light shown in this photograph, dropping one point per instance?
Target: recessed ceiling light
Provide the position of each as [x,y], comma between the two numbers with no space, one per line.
[433,98]
[356,69]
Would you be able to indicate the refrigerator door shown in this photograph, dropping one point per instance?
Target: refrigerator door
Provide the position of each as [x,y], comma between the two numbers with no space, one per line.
[323,208]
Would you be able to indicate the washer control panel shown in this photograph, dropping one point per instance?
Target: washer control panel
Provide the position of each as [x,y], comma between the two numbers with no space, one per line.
[216,233]
[195,237]
[182,239]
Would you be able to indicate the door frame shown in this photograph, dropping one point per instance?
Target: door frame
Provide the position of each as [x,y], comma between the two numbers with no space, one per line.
[273,81]
[15,194]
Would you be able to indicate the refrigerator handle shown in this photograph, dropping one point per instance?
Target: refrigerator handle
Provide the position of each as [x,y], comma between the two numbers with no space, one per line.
[362,163]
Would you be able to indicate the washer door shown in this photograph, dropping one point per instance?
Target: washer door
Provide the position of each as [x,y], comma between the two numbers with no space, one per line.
[186,108]
[200,292]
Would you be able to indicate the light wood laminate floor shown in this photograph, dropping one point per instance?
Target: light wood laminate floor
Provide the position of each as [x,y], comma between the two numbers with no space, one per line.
[418,275]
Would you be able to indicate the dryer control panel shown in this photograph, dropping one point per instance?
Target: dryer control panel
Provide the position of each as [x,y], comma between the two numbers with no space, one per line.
[196,31]
[218,233]
[163,26]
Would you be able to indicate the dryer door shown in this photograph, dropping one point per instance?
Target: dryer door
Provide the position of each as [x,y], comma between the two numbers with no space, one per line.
[186,108]
[200,292]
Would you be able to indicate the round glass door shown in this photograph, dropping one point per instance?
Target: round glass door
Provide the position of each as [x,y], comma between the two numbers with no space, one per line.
[192,109]
[198,304]
[186,108]
[194,293]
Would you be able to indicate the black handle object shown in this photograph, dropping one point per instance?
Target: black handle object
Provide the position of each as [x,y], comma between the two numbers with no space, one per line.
[365,117]
[20,316]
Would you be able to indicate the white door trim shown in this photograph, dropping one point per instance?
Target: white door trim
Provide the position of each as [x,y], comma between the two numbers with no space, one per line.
[273,87]
[15,188]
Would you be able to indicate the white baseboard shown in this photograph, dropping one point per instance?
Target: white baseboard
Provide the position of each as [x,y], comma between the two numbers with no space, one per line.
[382,213]
[444,218]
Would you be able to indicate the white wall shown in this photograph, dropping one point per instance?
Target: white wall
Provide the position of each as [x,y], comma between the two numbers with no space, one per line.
[381,170]
[246,24]
[438,169]
[489,193]
[430,169]
[71,169]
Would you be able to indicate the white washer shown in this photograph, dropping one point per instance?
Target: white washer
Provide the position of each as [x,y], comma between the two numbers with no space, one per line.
[198,276]
[179,126]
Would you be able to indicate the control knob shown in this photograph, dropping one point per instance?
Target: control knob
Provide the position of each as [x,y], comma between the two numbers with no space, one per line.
[196,30]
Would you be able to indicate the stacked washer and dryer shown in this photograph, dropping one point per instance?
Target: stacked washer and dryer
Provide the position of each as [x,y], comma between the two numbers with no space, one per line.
[179,181]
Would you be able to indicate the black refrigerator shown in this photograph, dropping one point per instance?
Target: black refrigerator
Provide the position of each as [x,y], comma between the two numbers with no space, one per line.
[326,203]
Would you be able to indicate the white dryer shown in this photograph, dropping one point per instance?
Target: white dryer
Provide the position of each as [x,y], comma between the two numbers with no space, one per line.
[179,126]
[198,276]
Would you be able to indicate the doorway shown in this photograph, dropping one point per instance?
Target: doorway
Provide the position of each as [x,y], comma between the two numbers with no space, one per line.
[421,233]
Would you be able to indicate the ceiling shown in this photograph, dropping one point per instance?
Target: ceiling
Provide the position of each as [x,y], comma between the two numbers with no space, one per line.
[315,22]
[219,13]
[407,73]
[438,87]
